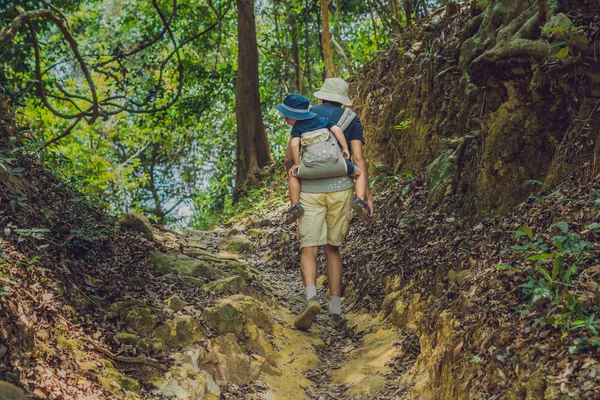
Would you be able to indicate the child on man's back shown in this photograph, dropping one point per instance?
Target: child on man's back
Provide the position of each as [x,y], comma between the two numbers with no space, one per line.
[295,108]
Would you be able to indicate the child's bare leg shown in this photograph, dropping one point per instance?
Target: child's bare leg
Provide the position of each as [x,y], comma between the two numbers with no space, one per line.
[360,183]
[294,188]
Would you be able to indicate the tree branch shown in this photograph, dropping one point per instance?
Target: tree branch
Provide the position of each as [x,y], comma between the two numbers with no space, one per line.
[65,133]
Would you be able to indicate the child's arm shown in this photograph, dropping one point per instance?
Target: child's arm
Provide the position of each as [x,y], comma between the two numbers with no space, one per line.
[295,146]
[339,135]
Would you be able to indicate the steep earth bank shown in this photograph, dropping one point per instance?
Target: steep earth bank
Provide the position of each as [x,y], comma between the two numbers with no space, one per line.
[487,100]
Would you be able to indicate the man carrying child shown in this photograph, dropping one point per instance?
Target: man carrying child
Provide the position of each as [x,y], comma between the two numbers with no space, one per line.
[325,203]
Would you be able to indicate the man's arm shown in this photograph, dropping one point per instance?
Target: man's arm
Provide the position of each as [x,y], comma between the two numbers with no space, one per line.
[361,162]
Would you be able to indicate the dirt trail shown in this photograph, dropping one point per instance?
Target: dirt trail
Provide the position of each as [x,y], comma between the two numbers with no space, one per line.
[357,361]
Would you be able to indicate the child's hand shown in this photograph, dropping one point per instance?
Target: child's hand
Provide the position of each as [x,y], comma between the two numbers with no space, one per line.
[292,171]
[346,154]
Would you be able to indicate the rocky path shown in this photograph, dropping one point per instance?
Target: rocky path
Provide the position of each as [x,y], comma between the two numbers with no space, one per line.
[251,349]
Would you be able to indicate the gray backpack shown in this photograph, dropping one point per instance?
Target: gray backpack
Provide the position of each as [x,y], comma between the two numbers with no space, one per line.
[321,155]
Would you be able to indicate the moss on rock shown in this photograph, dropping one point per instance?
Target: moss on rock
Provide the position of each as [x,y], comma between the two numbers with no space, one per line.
[175,303]
[224,318]
[139,320]
[11,392]
[116,382]
[179,332]
[184,265]
[230,285]
[237,244]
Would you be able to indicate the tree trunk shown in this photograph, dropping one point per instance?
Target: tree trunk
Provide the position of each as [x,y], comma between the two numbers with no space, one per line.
[252,147]
[293,22]
[330,70]
[407,11]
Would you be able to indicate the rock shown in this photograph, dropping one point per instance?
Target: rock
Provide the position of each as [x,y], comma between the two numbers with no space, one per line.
[231,285]
[175,303]
[11,392]
[140,320]
[184,265]
[224,318]
[255,232]
[252,310]
[237,244]
[228,362]
[150,345]
[558,28]
[233,232]
[115,382]
[439,178]
[187,382]
[126,338]
[180,332]
[138,223]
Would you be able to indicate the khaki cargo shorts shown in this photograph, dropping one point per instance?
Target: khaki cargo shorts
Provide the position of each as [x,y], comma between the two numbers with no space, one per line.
[325,219]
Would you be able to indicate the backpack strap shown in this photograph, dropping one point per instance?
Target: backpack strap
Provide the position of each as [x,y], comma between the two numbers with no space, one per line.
[346,119]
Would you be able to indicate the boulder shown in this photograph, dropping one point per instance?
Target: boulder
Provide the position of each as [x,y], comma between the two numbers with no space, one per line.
[230,285]
[185,380]
[116,382]
[175,303]
[237,244]
[138,223]
[180,332]
[150,345]
[254,232]
[126,338]
[184,265]
[228,362]
[11,392]
[139,320]
[252,310]
[224,318]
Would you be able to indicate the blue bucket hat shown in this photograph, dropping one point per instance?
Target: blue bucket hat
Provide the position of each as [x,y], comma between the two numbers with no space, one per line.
[295,106]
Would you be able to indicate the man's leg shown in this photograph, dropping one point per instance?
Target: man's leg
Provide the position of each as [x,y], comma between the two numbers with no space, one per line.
[312,231]
[308,269]
[338,217]
[334,278]
[312,307]
[334,270]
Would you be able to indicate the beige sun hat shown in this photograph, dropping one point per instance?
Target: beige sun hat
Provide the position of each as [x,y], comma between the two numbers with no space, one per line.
[334,89]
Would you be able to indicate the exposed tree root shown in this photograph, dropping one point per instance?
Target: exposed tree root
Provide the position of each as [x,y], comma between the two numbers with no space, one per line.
[131,360]
[509,30]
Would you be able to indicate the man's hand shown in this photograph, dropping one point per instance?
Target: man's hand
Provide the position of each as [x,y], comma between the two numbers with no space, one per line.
[346,153]
[370,204]
[292,171]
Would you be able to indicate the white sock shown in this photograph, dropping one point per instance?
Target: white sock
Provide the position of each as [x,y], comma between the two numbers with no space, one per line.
[335,305]
[311,291]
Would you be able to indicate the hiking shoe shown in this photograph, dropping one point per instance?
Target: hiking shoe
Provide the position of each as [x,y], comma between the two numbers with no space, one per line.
[361,208]
[308,313]
[293,213]
[336,320]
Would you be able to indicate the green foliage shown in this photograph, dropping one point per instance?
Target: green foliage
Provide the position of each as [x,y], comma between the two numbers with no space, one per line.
[173,163]
[556,287]
[403,125]
[215,205]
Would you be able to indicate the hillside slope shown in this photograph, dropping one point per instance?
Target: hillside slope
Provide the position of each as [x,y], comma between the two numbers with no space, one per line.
[487,100]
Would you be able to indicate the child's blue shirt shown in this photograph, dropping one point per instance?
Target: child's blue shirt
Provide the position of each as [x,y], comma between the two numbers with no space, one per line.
[311,124]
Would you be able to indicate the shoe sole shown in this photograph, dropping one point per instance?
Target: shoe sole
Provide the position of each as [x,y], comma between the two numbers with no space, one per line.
[305,320]
[296,216]
[360,211]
